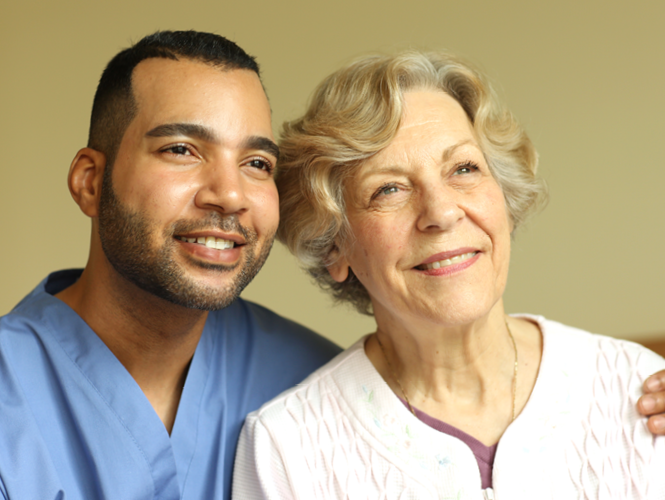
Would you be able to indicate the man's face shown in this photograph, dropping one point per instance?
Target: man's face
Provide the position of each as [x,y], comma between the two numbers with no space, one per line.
[190,209]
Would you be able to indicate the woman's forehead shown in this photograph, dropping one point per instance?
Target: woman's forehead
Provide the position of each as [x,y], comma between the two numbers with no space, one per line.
[433,124]
[435,108]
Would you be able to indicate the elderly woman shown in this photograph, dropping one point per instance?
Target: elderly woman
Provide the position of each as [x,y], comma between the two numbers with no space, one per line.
[401,187]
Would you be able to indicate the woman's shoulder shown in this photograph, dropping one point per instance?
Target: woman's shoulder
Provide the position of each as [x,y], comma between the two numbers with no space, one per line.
[598,354]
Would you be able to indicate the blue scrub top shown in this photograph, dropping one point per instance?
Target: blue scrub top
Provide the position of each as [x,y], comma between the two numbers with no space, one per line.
[75,425]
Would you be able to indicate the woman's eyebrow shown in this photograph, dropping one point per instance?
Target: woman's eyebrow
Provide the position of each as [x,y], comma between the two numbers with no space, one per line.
[397,169]
[388,169]
[448,152]
[185,129]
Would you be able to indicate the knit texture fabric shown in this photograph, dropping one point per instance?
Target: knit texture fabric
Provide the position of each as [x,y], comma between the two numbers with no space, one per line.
[343,433]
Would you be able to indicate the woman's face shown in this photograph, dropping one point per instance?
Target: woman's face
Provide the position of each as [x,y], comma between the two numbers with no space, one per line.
[431,228]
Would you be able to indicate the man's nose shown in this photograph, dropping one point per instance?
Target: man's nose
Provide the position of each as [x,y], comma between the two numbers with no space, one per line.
[222,188]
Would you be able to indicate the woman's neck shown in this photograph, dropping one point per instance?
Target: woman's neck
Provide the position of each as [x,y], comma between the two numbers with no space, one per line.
[461,374]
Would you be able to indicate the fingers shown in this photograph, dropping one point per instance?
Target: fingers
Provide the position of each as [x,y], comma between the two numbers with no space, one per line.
[656,424]
[651,404]
[655,382]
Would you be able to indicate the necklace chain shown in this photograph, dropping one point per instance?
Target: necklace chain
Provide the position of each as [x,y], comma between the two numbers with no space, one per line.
[406,398]
[515,369]
[395,377]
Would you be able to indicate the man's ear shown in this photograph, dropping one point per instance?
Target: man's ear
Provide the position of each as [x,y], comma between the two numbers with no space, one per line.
[339,269]
[85,180]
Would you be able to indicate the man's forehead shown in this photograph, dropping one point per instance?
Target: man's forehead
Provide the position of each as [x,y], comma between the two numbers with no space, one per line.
[162,74]
[167,90]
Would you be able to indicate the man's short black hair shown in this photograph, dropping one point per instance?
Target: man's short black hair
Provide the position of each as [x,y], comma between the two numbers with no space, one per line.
[114,106]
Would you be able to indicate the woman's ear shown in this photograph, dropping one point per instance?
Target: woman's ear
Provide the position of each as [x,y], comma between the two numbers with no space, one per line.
[85,180]
[339,269]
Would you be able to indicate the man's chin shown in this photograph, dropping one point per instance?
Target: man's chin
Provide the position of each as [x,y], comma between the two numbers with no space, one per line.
[206,266]
[197,296]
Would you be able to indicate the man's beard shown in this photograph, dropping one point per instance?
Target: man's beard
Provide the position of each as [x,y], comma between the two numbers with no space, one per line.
[126,237]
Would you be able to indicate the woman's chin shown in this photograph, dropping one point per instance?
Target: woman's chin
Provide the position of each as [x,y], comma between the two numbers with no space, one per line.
[445,312]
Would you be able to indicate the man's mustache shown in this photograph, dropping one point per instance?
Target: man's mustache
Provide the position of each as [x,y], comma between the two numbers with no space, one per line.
[227,223]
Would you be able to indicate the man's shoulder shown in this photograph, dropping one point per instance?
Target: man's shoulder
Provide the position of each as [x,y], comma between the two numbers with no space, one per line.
[244,317]
[263,352]
[35,309]
[43,293]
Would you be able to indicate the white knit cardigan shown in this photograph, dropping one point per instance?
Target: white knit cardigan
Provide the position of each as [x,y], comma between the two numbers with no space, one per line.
[343,433]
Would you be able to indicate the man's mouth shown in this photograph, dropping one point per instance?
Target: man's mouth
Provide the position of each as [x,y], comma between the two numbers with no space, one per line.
[208,241]
[447,262]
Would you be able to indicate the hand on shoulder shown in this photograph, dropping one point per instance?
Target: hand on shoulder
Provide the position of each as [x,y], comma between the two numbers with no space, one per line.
[652,403]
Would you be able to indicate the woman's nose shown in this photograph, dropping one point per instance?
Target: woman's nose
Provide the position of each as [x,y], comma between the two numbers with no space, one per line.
[439,209]
[222,188]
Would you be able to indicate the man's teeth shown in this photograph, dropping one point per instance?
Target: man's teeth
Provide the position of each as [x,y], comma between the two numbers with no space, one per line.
[447,262]
[209,241]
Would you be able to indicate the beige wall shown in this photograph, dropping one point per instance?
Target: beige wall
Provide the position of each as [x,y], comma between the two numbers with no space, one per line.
[586,78]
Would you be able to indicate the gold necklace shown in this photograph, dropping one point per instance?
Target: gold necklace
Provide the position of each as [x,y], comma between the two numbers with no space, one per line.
[515,369]
[406,398]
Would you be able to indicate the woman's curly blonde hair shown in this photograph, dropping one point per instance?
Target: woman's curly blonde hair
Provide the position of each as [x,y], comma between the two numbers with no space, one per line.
[354,114]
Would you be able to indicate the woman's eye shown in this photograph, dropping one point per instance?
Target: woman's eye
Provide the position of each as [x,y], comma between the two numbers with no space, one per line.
[467,168]
[386,190]
[389,195]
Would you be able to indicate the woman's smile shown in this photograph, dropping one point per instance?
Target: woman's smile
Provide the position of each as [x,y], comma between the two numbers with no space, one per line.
[449,264]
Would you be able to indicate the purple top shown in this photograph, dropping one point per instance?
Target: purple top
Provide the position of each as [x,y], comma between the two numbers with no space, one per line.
[484,454]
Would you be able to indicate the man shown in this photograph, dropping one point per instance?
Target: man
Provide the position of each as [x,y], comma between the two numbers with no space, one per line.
[116,382]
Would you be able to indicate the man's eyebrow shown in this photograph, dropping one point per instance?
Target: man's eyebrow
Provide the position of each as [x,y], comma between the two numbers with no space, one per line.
[263,144]
[186,129]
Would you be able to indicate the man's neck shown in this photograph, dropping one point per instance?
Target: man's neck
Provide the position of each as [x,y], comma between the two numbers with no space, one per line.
[154,339]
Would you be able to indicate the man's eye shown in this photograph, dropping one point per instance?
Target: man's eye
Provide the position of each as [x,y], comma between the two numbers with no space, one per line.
[260,164]
[177,149]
